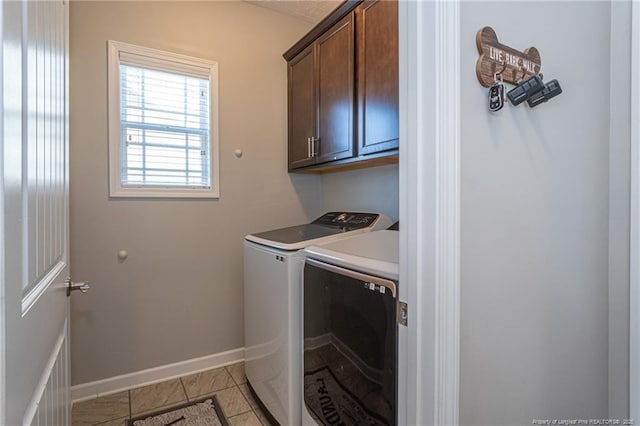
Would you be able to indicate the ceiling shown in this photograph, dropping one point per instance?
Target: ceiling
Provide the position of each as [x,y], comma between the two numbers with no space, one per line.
[311,11]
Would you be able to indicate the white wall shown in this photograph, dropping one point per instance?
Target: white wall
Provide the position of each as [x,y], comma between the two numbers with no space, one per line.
[366,190]
[534,224]
[179,294]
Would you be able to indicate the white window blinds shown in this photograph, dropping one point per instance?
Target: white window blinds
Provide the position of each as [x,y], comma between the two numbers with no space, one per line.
[162,123]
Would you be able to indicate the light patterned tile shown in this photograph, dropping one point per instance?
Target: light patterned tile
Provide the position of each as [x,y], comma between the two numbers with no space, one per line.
[207,382]
[232,402]
[100,409]
[247,394]
[159,395]
[237,372]
[245,419]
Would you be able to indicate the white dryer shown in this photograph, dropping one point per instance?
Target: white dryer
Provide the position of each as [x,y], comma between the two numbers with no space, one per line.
[351,331]
[273,268]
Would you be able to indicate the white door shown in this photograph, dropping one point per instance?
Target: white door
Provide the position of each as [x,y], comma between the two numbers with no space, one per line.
[34,160]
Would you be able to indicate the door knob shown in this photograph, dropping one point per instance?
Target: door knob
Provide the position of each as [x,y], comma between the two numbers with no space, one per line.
[83,286]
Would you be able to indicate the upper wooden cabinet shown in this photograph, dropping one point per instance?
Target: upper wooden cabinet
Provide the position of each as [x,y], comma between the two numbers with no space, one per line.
[377,65]
[302,108]
[343,90]
[335,79]
[320,98]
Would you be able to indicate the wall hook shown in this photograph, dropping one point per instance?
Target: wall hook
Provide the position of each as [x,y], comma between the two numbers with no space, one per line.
[516,65]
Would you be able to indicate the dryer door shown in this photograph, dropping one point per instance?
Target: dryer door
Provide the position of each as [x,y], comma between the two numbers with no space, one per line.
[350,346]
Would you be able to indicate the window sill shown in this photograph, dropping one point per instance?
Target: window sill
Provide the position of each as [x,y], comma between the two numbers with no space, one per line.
[163,193]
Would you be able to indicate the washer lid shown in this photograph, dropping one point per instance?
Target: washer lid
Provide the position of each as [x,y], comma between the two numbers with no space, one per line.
[328,227]
[295,234]
[375,253]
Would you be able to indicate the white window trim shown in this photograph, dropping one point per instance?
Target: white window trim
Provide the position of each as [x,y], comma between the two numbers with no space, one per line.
[115,188]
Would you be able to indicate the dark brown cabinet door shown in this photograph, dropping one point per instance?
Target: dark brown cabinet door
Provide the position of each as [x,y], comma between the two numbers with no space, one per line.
[335,79]
[302,110]
[377,26]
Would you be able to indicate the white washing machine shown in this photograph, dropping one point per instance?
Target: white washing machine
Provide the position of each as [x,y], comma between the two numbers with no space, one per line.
[351,318]
[273,268]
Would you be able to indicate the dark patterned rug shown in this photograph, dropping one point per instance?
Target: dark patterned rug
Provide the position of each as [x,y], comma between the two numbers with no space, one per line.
[331,404]
[201,412]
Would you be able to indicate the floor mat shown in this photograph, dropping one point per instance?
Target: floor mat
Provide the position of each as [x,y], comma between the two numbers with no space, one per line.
[202,412]
[330,403]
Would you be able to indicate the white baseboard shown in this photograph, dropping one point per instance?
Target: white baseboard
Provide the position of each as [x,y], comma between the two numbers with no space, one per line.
[153,375]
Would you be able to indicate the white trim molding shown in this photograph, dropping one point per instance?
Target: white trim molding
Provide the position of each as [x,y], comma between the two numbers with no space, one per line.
[634,273]
[154,375]
[447,143]
[3,274]
[57,366]
[48,279]
[430,210]
[119,53]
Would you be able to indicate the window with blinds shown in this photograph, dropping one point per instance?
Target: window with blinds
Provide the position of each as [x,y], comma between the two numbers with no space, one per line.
[164,143]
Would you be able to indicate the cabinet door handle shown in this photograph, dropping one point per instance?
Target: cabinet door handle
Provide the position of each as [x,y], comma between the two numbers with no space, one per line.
[314,151]
[308,147]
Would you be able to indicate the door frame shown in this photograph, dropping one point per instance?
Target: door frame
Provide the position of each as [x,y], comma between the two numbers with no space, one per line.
[2,242]
[634,261]
[430,210]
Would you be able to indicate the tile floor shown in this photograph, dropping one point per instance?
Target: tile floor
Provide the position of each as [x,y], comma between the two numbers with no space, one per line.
[228,383]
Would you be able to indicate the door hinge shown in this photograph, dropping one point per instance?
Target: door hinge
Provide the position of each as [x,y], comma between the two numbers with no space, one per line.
[403,313]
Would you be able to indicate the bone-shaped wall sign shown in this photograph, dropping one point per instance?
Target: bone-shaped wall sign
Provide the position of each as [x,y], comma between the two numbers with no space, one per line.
[510,64]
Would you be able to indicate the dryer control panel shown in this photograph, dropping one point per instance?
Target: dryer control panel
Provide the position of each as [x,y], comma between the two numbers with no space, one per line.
[347,220]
